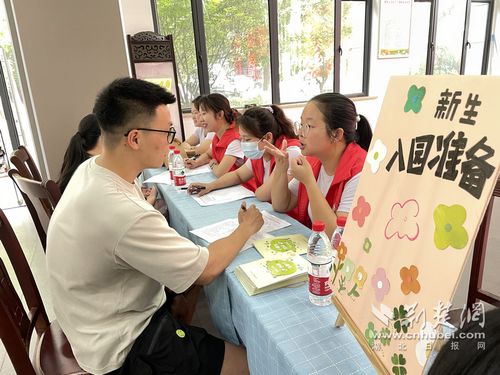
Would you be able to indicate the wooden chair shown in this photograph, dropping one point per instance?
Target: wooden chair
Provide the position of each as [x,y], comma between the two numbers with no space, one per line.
[41,198]
[52,354]
[476,291]
[25,164]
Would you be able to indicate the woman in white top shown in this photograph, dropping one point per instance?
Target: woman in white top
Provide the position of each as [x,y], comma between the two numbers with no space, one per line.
[255,125]
[199,142]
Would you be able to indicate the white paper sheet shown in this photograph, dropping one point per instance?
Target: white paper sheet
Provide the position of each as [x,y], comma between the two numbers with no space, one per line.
[226,195]
[214,232]
[162,178]
[203,169]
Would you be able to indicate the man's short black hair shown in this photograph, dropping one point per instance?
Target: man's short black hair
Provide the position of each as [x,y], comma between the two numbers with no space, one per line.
[125,99]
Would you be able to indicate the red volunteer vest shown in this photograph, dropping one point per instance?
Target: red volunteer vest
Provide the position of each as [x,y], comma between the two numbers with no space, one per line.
[350,164]
[219,146]
[258,164]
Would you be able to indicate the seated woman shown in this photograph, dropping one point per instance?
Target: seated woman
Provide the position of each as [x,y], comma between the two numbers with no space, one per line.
[83,145]
[335,139]
[255,125]
[225,153]
[199,142]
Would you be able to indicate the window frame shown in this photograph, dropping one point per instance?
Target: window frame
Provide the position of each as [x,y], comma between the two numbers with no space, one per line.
[202,59]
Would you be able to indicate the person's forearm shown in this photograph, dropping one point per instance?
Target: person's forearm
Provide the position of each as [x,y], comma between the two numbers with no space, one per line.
[202,160]
[263,192]
[222,252]
[320,209]
[229,179]
[280,194]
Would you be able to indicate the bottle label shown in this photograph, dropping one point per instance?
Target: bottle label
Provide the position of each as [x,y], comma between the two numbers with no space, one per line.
[319,286]
[179,177]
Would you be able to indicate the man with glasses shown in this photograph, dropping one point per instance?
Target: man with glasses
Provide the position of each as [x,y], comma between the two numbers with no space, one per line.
[109,253]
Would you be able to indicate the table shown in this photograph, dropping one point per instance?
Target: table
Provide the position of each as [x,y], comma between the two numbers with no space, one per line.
[282,331]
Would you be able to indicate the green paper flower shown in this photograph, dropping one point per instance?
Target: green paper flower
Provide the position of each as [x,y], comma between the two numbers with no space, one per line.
[398,361]
[415,97]
[348,269]
[367,245]
[401,323]
[370,334]
[449,230]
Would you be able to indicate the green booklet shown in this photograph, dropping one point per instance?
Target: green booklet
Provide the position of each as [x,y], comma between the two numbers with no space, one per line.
[263,275]
[282,247]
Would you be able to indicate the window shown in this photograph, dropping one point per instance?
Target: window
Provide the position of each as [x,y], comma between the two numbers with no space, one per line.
[419,35]
[237,42]
[476,38]
[174,17]
[268,51]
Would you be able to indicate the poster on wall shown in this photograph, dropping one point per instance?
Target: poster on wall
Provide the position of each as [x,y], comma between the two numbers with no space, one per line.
[429,174]
[394,28]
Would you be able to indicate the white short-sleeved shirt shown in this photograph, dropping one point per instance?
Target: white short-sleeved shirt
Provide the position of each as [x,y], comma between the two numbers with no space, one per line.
[109,253]
[234,149]
[292,151]
[200,134]
[324,182]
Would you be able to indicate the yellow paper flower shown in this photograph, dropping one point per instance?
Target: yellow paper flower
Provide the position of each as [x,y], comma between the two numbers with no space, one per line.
[360,276]
[449,230]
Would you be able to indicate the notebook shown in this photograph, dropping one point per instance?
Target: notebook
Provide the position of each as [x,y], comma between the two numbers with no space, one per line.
[264,275]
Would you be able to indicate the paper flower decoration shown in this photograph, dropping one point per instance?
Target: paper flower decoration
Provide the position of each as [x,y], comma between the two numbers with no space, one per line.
[348,269]
[409,277]
[399,362]
[367,245]
[414,100]
[360,276]
[370,334]
[376,154]
[403,221]
[449,230]
[361,211]
[341,251]
[380,284]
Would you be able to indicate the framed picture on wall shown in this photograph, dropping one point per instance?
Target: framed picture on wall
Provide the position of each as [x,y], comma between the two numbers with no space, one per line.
[152,59]
[394,29]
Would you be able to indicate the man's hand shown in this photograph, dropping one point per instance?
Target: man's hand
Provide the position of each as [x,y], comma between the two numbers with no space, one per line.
[250,218]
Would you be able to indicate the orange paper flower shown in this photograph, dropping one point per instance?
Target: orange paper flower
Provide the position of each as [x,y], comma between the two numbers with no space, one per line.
[410,282]
[341,251]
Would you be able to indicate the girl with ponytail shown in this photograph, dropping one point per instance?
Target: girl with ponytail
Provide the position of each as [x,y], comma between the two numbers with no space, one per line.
[225,153]
[84,144]
[334,140]
[256,125]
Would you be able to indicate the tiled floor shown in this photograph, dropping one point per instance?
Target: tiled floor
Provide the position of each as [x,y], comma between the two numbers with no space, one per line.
[23,226]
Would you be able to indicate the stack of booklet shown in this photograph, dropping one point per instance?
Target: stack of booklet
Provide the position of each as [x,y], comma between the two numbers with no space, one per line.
[281,266]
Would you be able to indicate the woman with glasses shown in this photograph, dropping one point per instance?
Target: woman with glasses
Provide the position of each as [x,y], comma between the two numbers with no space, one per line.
[256,125]
[199,142]
[334,141]
[226,154]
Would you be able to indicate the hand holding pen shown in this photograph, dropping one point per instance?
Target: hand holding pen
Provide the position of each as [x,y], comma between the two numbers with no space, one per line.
[250,218]
[199,188]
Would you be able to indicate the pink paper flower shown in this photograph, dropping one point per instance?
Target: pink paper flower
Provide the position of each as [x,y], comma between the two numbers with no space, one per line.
[403,221]
[380,284]
[361,211]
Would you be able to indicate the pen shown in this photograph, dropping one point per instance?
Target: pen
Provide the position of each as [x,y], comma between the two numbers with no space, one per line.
[196,188]
[243,207]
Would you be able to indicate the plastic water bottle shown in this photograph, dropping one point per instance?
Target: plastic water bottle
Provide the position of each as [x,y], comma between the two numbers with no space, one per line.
[319,255]
[337,234]
[170,157]
[178,168]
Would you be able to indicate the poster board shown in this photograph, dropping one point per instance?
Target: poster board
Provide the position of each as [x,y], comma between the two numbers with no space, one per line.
[394,28]
[429,174]
[152,59]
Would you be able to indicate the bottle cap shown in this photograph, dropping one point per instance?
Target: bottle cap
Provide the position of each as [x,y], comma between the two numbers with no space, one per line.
[171,147]
[318,226]
[341,221]
[177,151]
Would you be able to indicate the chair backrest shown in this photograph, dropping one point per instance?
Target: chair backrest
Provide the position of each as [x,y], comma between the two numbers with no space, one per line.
[41,199]
[25,164]
[22,270]
[16,326]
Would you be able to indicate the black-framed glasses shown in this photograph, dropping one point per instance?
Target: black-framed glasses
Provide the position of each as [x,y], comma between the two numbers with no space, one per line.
[171,132]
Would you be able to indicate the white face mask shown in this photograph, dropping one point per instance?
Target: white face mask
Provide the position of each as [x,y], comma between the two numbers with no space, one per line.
[251,150]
